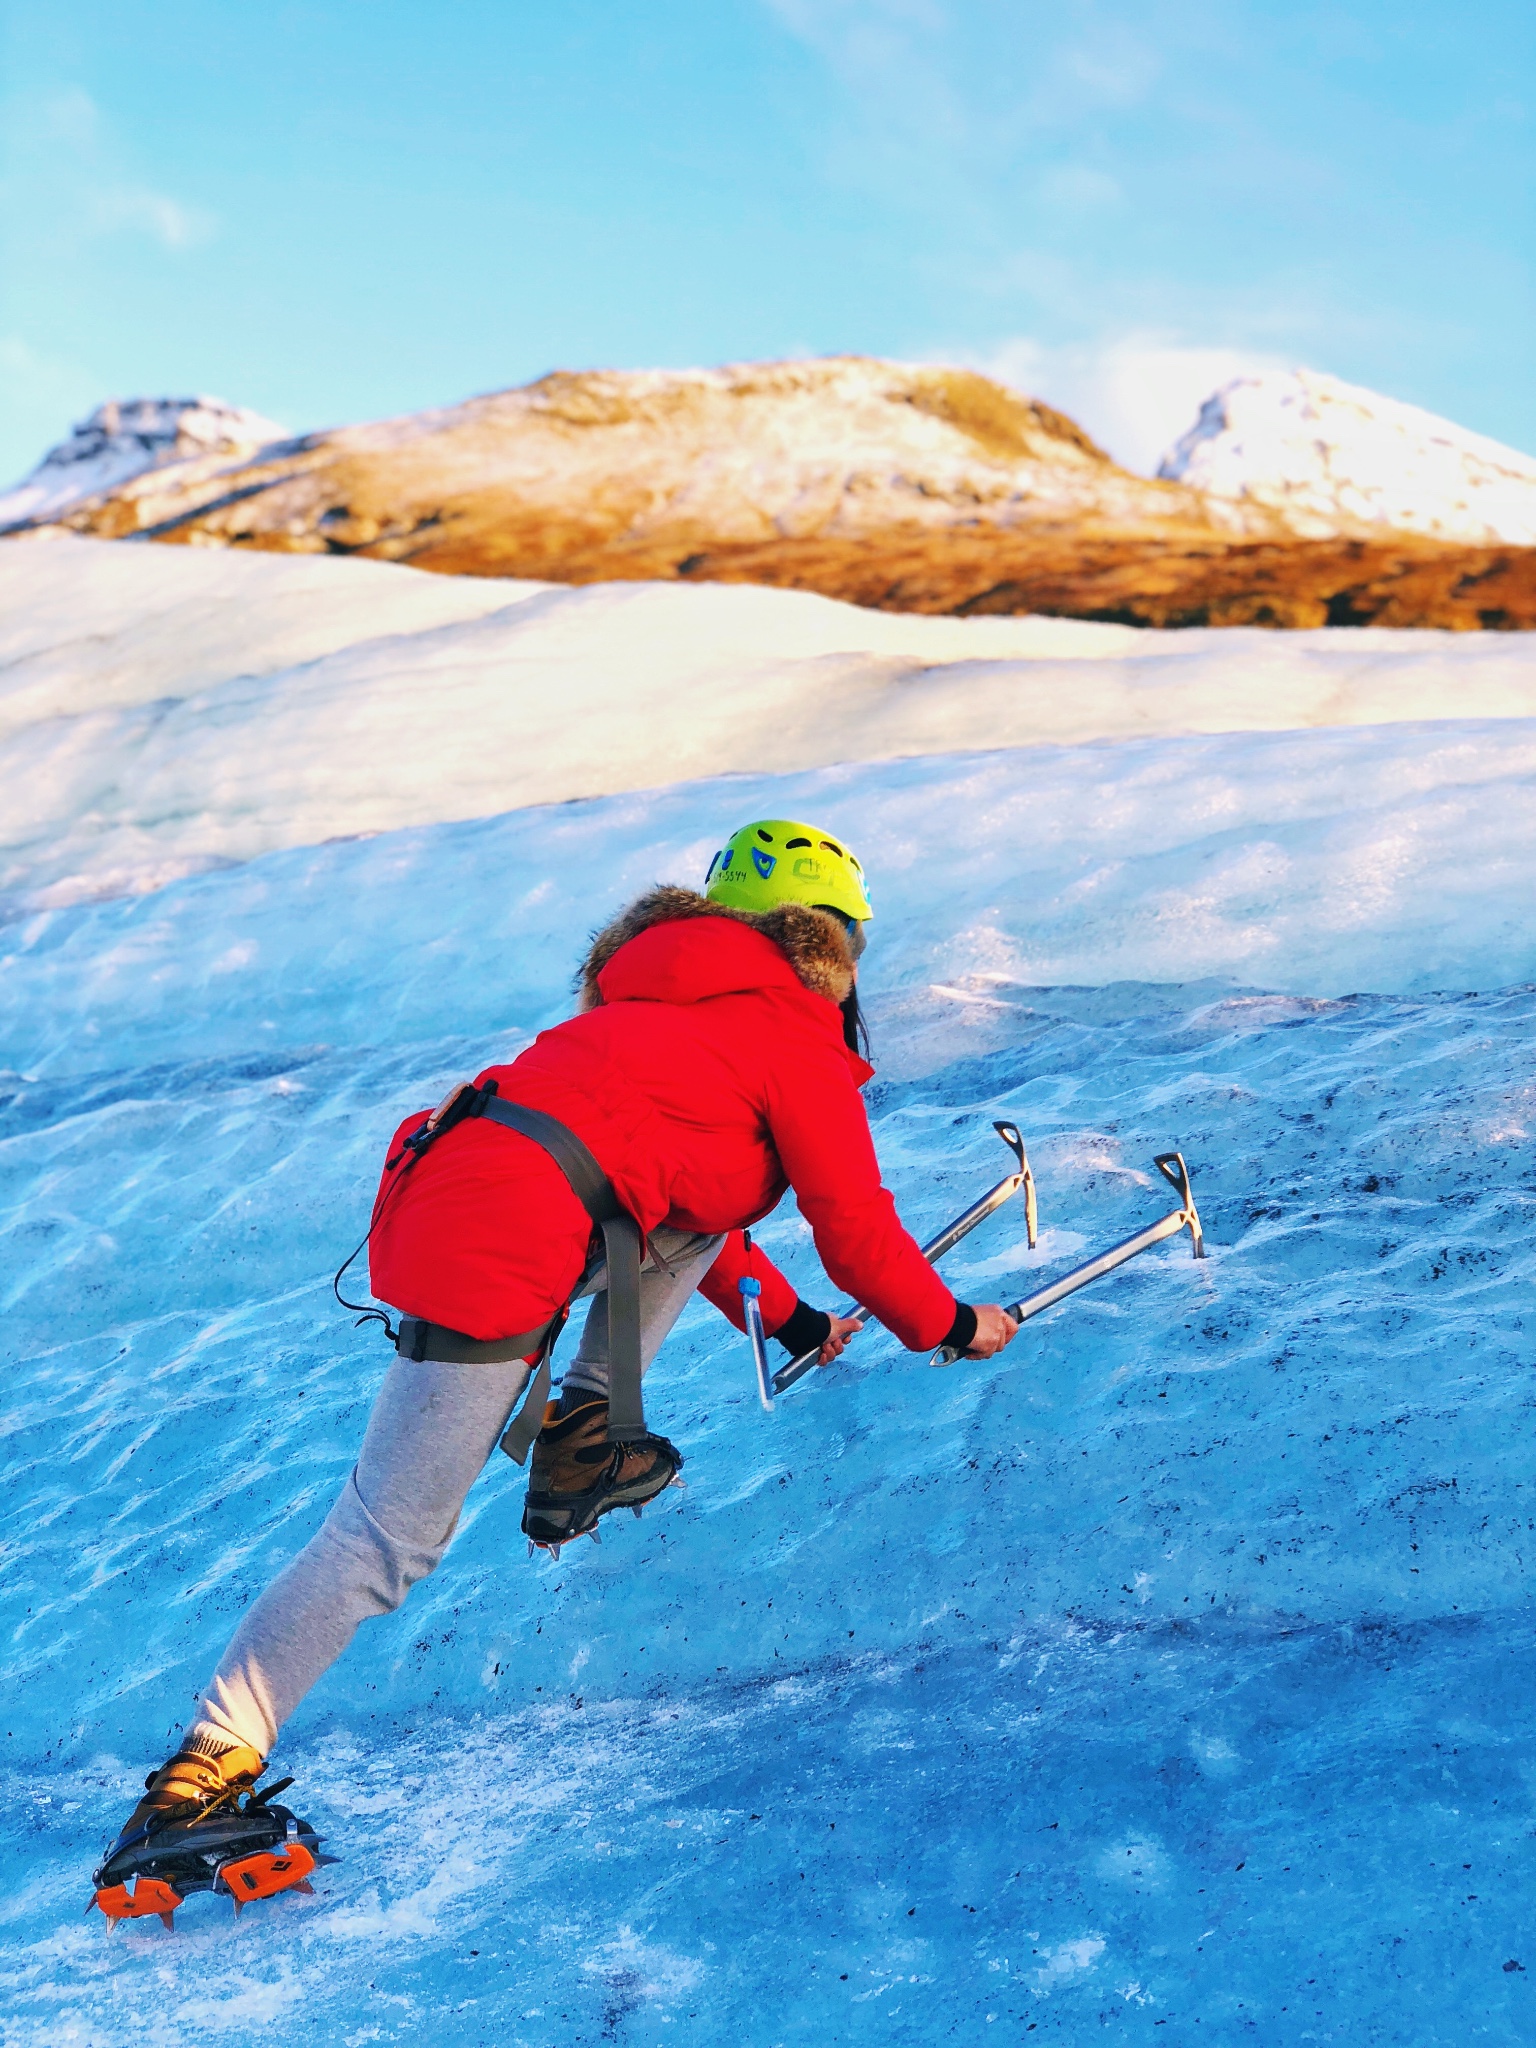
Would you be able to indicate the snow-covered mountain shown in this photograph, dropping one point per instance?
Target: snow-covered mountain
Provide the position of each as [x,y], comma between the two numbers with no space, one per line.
[125,438]
[604,469]
[1333,458]
[908,487]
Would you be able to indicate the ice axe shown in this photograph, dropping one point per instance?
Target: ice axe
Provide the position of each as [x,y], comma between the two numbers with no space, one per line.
[947,1238]
[1186,1217]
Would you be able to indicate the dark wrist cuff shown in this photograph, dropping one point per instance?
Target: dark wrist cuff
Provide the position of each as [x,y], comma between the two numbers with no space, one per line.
[805,1329]
[962,1331]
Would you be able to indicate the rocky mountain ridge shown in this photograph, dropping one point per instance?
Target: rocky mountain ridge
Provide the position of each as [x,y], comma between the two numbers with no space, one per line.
[126,438]
[900,486]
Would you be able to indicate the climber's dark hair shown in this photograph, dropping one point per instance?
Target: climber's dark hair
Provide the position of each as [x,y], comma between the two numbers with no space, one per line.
[855,1030]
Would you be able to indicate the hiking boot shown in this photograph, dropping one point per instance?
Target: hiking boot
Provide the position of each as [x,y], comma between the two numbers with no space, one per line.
[192,1780]
[577,1475]
[190,1833]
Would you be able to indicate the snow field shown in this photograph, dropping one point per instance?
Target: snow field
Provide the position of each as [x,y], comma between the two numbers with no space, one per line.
[1196,1577]
[168,710]
[1318,863]
[1164,1671]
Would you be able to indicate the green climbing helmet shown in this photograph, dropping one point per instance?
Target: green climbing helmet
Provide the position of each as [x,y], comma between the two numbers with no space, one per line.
[779,860]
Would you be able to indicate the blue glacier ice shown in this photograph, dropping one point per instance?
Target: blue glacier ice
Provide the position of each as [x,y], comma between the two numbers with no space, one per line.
[1164,1680]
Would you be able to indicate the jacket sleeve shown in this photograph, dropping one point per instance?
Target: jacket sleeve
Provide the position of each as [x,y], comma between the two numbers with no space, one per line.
[821,1133]
[778,1298]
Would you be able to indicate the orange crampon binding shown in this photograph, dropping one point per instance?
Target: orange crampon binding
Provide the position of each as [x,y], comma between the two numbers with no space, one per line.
[266,1873]
[244,1849]
[149,1895]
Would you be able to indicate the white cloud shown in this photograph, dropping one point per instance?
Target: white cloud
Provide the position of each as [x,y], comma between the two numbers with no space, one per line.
[1135,393]
[978,79]
[1075,188]
[70,176]
[68,184]
[840,27]
[1117,70]
[153,213]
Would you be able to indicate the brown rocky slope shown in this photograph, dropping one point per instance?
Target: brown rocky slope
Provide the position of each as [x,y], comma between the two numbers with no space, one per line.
[885,484]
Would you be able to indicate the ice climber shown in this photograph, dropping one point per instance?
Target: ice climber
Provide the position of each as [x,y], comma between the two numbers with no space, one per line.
[714,1060]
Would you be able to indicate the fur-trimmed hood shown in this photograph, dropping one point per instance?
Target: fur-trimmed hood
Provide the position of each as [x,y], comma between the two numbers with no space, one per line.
[815,945]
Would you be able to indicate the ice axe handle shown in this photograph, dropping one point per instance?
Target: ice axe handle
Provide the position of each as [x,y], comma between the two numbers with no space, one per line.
[947,1239]
[1013,1137]
[752,1316]
[1186,1217]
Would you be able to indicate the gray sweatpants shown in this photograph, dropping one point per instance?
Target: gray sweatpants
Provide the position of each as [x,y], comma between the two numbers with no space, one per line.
[431,1430]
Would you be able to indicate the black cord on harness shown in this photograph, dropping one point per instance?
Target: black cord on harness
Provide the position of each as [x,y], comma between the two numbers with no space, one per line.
[468,1102]
[368,1315]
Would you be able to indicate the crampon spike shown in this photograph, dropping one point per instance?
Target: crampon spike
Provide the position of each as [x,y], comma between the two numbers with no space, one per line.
[594,1535]
[637,1513]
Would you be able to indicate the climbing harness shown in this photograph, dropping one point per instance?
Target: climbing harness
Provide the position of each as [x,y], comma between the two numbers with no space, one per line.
[622,1252]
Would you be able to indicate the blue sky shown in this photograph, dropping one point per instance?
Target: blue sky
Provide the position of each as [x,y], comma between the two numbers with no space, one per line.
[332,212]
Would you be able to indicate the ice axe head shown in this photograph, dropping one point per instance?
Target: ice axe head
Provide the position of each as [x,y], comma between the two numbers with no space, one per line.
[1171,1166]
[1013,1137]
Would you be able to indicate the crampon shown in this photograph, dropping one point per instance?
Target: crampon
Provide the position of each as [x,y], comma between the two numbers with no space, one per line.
[245,1850]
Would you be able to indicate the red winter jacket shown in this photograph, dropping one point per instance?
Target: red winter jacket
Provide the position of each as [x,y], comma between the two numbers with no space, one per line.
[708,1074]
